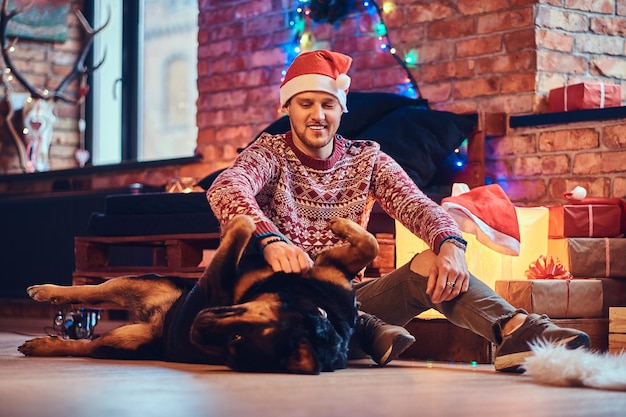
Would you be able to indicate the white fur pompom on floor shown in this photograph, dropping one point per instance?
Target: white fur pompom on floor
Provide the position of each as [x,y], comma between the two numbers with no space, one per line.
[557,365]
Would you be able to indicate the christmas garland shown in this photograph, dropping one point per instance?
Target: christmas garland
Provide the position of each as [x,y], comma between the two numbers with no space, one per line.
[330,11]
[333,11]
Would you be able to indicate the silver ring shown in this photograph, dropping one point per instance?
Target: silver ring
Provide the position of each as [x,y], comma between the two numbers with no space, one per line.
[450,284]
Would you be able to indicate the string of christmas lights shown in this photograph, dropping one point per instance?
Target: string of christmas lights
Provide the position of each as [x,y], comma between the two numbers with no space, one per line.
[333,11]
[409,87]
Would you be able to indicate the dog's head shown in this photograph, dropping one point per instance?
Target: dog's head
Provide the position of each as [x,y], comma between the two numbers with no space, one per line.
[283,331]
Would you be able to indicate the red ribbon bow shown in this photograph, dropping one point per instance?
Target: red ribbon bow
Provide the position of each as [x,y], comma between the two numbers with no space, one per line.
[544,269]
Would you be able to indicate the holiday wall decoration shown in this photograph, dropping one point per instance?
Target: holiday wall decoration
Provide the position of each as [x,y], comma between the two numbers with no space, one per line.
[311,12]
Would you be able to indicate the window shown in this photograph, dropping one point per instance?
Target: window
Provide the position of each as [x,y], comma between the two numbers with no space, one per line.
[144,94]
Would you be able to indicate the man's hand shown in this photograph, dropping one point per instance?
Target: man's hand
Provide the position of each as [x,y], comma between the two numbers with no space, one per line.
[284,257]
[448,276]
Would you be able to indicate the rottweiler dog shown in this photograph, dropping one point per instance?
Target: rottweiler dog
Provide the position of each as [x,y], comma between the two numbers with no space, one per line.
[239,314]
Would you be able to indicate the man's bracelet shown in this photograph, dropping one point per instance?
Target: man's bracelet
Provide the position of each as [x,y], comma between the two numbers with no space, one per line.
[270,241]
[458,241]
[254,242]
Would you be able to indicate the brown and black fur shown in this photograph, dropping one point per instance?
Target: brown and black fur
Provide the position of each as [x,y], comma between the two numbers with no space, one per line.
[240,314]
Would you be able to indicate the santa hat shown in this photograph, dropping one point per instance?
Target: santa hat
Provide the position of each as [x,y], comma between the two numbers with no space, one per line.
[319,70]
[488,213]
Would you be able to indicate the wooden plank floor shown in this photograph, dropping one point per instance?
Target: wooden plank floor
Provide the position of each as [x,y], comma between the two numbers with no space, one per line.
[40,387]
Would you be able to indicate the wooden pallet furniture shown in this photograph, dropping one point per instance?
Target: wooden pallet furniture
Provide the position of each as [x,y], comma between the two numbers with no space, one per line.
[100,257]
[183,255]
[440,340]
[617,329]
[596,328]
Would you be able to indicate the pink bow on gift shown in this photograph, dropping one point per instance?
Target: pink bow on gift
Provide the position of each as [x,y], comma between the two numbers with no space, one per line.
[544,269]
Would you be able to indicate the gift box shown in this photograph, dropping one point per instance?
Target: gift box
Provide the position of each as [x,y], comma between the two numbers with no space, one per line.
[597,257]
[619,202]
[557,298]
[584,96]
[584,220]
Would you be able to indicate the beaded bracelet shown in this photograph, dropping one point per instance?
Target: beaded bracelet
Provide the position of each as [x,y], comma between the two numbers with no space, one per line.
[270,241]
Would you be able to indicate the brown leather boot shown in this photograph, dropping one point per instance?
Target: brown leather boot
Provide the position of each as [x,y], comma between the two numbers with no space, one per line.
[381,341]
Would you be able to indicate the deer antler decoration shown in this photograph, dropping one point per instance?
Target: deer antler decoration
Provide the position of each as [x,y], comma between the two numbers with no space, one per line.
[34,144]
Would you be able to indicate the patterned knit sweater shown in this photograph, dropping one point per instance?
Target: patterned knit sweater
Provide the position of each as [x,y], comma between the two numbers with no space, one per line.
[293,194]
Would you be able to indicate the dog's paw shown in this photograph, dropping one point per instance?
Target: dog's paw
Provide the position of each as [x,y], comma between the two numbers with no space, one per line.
[45,292]
[354,234]
[340,226]
[345,228]
[41,346]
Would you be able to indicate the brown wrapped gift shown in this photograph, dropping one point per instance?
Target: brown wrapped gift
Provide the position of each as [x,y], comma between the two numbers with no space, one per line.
[557,298]
[584,96]
[588,220]
[597,257]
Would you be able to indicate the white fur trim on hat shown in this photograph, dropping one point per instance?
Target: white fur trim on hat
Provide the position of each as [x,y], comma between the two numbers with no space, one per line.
[316,82]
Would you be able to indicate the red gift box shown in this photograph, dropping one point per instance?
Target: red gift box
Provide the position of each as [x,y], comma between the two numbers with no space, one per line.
[619,202]
[584,96]
[584,220]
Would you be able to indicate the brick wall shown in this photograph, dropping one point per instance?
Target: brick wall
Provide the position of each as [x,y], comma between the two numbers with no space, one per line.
[536,165]
[579,40]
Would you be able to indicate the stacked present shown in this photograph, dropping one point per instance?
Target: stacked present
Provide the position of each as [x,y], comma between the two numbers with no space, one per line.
[550,289]
[590,240]
[598,258]
[576,251]
[586,235]
[584,220]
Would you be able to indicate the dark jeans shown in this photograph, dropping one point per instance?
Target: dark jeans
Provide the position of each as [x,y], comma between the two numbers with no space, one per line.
[401,295]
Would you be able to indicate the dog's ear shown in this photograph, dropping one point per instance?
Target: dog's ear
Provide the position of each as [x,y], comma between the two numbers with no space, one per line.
[303,360]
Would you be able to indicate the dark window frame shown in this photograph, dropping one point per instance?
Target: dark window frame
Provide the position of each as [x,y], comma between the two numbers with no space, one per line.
[130,81]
